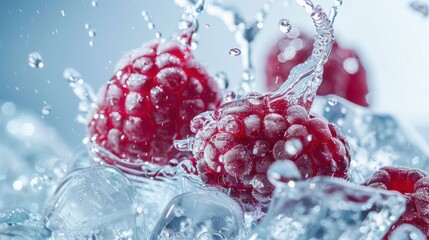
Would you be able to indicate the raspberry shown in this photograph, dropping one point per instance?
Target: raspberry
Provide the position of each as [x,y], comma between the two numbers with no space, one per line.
[235,148]
[413,184]
[150,101]
[343,75]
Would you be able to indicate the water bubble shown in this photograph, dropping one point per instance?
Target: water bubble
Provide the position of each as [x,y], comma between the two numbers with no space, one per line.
[222,80]
[284,25]
[46,110]
[420,7]
[234,52]
[35,60]
[230,96]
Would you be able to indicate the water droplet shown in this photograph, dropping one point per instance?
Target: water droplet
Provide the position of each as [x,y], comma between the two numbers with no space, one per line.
[158,35]
[284,25]
[207,26]
[293,147]
[145,15]
[351,65]
[35,60]
[332,101]
[230,96]
[234,52]
[63,13]
[91,43]
[46,110]
[71,75]
[92,33]
[87,26]
[222,80]
[150,25]
[94,3]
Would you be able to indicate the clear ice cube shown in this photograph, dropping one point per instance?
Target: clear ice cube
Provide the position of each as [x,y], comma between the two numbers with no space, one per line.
[407,232]
[376,140]
[21,224]
[95,203]
[328,208]
[207,214]
[33,159]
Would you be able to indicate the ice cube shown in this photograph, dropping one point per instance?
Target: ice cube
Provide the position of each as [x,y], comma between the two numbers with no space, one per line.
[33,159]
[407,232]
[207,214]
[327,208]
[95,203]
[376,140]
[21,224]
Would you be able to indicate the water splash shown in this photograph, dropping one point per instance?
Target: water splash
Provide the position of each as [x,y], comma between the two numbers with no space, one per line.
[245,33]
[83,91]
[150,24]
[188,25]
[304,79]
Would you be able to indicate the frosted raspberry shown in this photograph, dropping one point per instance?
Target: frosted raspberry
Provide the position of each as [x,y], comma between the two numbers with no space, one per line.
[235,149]
[343,75]
[413,184]
[150,101]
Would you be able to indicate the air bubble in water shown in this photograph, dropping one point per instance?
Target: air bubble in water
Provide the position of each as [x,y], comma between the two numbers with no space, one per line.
[234,52]
[46,110]
[35,60]
[332,101]
[284,25]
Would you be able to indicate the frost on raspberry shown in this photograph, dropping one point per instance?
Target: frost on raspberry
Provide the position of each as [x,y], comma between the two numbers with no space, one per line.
[344,75]
[149,102]
[413,184]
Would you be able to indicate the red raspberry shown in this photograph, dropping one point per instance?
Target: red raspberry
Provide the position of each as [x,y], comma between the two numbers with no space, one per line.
[413,184]
[235,149]
[158,89]
[343,74]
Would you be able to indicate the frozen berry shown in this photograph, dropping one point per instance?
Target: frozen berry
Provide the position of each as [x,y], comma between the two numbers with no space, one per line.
[150,101]
[413,184]
[235,148]
[343,74]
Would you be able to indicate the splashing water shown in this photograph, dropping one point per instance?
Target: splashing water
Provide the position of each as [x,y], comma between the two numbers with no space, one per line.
[188,25]
[83,91]
[245,33]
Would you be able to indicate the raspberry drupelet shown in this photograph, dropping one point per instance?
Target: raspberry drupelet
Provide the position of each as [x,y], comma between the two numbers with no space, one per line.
[413,184]
[150,101]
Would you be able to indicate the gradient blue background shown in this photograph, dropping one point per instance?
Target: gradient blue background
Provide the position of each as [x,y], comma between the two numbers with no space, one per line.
[391,39]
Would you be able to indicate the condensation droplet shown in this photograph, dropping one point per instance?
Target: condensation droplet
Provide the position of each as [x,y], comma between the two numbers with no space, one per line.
[46,110]
[234,52]
[35,60]
[284,25]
